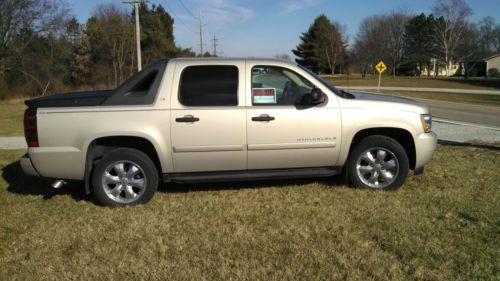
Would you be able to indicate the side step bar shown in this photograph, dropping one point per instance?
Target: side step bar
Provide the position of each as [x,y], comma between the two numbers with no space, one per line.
[226,176]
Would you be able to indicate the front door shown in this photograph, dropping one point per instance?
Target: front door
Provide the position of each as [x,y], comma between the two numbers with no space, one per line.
[283,134]
[208,121]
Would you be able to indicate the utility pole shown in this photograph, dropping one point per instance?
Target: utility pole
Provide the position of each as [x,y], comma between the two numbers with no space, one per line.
[214,40]
[137,30]
[201,35]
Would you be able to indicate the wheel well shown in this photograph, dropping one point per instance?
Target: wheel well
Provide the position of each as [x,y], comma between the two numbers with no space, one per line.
[101,146]
[400,135]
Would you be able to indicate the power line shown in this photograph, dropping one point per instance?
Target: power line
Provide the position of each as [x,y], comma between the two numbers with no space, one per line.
[201,25]
[179,19]
[187,10]
[185,25]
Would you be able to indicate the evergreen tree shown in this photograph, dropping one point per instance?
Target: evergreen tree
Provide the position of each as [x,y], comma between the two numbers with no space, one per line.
[322,47]
[305,51]
[157,33]
[419,42]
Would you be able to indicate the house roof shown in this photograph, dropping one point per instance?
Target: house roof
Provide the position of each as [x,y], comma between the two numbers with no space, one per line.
[491,57]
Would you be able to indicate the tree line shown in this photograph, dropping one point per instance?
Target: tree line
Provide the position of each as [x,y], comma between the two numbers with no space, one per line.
[403,41]
[43,49]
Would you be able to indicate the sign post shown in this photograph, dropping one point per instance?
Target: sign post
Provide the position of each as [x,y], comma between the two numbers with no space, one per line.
[380,67]
[433,61]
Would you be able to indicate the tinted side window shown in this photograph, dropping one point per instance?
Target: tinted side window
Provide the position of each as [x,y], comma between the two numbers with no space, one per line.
[209,85]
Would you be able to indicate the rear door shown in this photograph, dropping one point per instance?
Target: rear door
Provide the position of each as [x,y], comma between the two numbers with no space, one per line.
[283,134]
[208,121]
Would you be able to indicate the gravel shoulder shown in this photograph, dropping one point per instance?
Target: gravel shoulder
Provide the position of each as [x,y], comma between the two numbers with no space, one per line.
[462,134]
[12,143]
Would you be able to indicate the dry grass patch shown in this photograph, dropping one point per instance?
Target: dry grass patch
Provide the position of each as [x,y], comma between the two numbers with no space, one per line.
[11,117]
[443,225]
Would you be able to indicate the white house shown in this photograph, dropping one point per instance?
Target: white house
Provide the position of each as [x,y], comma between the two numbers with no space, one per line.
[493,62]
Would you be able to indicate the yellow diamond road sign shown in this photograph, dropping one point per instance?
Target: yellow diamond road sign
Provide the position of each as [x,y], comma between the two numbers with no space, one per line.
[380,67]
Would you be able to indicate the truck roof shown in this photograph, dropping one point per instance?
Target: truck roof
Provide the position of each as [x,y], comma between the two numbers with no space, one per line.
[251,59]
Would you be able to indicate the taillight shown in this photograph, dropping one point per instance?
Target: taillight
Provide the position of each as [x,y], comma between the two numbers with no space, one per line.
[30,127]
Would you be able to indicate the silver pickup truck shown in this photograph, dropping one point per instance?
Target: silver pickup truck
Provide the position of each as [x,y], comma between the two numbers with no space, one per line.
[200,120]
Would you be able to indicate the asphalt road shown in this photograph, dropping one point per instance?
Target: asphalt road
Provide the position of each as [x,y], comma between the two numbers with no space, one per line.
[421,89]
[462,112]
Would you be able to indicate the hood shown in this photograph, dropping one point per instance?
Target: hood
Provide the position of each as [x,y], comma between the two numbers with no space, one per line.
[392,102]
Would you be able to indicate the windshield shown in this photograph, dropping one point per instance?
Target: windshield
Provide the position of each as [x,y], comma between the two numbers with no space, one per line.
[322,81]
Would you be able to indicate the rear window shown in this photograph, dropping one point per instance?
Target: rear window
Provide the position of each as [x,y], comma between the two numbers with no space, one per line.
[209,85]
[140,89]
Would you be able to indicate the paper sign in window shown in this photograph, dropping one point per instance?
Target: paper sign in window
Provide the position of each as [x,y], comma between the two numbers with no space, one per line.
[264,96]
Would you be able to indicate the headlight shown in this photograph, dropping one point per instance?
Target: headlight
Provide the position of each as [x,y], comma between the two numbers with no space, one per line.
[426,122]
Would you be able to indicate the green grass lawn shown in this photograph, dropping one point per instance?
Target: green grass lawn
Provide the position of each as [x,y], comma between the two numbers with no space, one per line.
[442,225]
[421,82]
[11,117]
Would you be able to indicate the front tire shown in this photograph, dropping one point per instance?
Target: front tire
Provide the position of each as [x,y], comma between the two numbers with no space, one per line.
[378,162]
[124,176]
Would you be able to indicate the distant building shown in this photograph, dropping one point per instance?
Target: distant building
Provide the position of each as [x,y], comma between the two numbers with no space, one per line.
[493,62]
[428,69]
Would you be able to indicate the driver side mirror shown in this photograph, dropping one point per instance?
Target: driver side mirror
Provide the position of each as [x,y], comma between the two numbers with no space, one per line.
[315,97]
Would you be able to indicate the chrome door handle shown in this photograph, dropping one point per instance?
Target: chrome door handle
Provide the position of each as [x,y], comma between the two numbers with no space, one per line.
[187,119]
[263,118]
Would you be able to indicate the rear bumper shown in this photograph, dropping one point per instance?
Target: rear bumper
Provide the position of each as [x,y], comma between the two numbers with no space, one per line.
[58,162]
[425,145]
[27,166]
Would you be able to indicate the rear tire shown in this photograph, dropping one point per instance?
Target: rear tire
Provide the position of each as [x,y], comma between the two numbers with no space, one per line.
[124,176]
[378,162]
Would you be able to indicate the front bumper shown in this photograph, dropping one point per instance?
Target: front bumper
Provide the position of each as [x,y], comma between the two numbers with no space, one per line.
[425,145]
[27,166]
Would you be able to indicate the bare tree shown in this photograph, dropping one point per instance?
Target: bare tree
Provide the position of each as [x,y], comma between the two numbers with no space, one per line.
[38,16]
[359,58]
[381,38]
[395,26]
[331,42]
[487,35]
[468,52]
[117,35]
[452,20]
[496,38]
[368,46]
[22,22]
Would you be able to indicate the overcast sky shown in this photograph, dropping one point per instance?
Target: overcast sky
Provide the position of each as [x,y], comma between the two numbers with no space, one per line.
[264,28]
